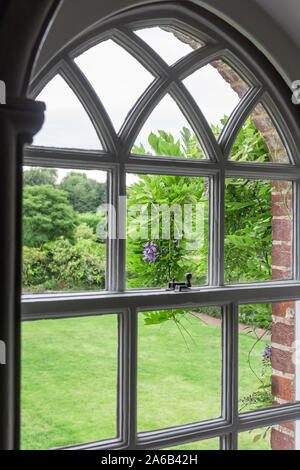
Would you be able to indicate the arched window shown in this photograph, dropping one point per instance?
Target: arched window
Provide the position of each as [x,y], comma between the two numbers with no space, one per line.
[168,148]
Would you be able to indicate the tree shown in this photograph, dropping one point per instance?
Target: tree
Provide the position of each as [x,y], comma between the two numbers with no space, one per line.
[46,215]
[248,219]
[39,176]
[151,261]
[84,194]
[155,261]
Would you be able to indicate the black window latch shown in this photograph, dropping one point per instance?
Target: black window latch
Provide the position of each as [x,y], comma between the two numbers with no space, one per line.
[180,286]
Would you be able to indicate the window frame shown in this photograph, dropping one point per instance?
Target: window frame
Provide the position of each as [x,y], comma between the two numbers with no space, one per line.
[267,88]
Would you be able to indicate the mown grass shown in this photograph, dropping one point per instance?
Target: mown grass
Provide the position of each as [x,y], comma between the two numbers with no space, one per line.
[69,379]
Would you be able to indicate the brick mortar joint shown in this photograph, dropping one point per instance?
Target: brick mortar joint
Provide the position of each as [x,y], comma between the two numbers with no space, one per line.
[283,320]
[281,268]
[283,375]
[283,430]
[283,347]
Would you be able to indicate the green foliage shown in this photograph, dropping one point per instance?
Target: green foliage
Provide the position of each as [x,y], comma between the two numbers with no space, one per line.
[249,145]
[248,228]
[190,146]
[65,265]
[79,265]
[256,316]
[175,257]
[248,231]
[261,396]
[34,268]
[84,194]
[161,316]
[83,231]
[39,176]
[164,144]
[46,215]
[89,218]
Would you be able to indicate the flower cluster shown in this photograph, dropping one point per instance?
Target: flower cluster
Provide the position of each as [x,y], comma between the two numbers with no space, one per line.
[267,352]
[150,252]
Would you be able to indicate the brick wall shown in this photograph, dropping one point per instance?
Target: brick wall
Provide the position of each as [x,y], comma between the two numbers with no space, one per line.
[283,314]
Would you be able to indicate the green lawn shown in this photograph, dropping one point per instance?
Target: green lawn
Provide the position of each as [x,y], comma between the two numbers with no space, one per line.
[69,379]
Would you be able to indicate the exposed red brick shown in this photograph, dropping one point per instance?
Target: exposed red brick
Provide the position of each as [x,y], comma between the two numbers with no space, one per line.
[274,143]
[230,75]
[283,388]
[278,274]
[239,89]
[281,205]
[282,361]
[259,109]
[283,334]
[282,255]
[263,123]
[282,229]
[284,309]
[277,185]
[281,441]
[289,425]
[217,64]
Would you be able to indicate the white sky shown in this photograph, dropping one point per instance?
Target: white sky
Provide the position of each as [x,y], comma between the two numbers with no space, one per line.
[119,80]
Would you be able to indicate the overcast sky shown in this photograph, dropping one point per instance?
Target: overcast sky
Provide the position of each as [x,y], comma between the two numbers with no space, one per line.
[119,80]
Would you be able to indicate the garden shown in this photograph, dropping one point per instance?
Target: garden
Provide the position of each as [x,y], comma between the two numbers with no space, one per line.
[69,373]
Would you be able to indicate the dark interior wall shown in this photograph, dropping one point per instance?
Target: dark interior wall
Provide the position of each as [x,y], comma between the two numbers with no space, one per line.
[22,27]
[263,22]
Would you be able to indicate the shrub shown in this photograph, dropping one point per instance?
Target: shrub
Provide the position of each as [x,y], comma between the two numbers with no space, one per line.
[63,265]
[34,266]
[90,219]
[77,266]
[47,215]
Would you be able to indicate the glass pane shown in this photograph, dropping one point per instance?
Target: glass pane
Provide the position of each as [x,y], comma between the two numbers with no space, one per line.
[62,250]
[259,141]
[69,381]
[116,76]
[167,229]
[279,437]
[258,230]
[217,89]
[66,124]
[179,367]
[208,444]
[167,133]
[170,44]
[267,355]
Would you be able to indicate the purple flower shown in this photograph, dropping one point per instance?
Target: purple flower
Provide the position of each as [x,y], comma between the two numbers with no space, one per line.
[267,352]
[150,252]
[206,183]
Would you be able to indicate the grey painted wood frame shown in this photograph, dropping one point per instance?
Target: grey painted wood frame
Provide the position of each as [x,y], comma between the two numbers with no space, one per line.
[221,42]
